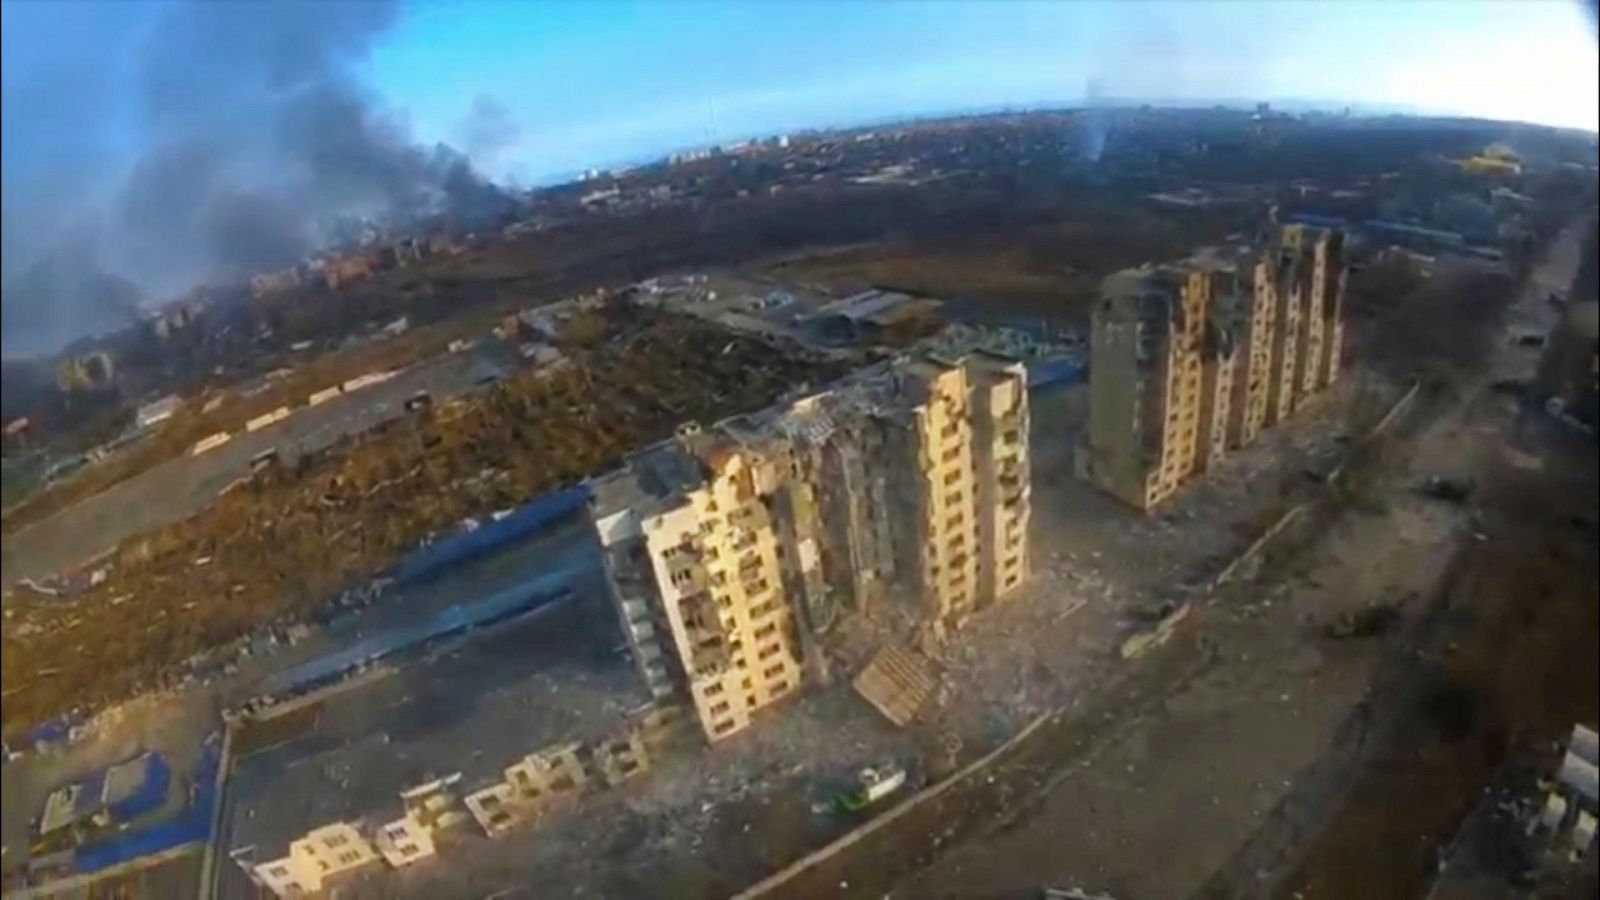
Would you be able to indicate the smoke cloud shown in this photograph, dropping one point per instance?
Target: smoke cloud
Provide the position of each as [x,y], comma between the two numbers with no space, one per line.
[252,143]
[1095,124]
[487,131]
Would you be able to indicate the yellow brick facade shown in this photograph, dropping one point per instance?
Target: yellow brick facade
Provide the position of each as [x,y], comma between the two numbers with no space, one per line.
[1254,336]
[1000,429]
[1193,358]
[945,542]
[1217,373]
[1287,286]
[1333,272]
[716,563]
[728,549]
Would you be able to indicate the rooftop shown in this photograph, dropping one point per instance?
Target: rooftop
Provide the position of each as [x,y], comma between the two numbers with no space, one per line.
[1218,259]
[648,482]
[991,368]
[864,305]
[474,708]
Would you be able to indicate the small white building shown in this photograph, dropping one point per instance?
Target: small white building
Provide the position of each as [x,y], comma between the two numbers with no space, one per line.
[324,853]
[436,805]
[404,841]
[492,807]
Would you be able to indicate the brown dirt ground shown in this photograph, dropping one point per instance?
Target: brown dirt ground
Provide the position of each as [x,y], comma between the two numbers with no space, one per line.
[1050,271]
[1520,672]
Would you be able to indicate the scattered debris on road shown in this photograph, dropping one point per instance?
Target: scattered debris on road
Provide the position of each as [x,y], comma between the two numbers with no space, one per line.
[1450,490]
[1369,621]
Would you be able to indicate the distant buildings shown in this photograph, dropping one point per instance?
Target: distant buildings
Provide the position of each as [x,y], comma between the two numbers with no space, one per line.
[730,550]
[345,271]
[1190,359]
[268,284]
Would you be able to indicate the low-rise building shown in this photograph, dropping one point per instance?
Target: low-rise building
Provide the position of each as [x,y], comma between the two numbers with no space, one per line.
[495,808]
[547,776]
[325,854]
[435,805]
[620,758]
[404,841]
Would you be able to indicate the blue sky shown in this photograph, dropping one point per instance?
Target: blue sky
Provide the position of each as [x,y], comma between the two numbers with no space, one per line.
[175,141]
[600,82]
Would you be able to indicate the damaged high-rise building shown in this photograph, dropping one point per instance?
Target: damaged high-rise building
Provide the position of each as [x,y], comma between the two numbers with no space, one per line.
[732,549]
[1192,358]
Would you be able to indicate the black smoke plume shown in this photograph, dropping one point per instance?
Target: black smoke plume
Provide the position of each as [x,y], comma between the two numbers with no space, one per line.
[251,138]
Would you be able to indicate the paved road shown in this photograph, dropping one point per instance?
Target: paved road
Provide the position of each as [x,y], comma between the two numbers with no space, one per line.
[183,486]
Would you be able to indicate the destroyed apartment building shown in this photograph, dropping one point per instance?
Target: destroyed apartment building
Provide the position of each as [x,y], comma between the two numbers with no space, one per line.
[1194,358]
[731,550]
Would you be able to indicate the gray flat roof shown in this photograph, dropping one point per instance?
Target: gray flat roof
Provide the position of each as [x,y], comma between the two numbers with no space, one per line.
[647,481]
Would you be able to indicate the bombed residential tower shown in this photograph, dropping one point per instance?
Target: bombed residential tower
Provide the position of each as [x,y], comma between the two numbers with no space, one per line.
[731,549]
[1192,358]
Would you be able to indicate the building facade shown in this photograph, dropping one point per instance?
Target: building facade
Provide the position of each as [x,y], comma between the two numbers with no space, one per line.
[323,855]
[1252,326]
[1001,467]
[936,491]
[732,550]
[1147,381]
[1288,294]
[1190,359]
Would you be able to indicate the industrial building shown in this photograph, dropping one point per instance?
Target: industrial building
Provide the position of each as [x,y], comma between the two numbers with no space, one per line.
[731,549]
[1193,358]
